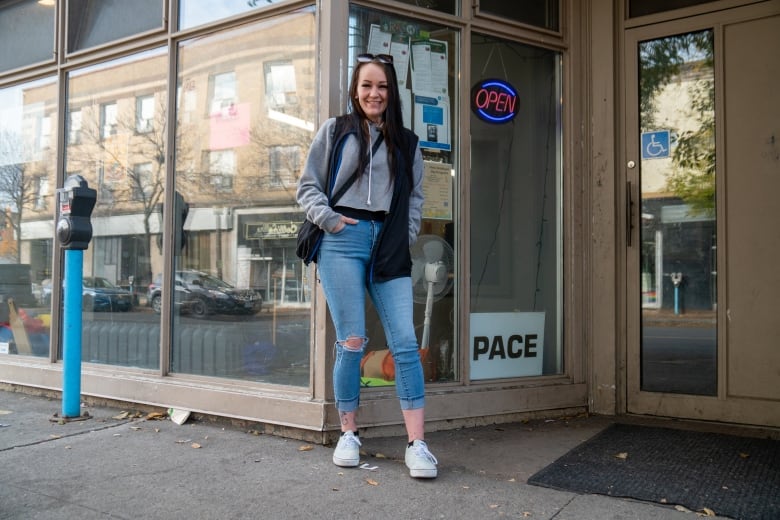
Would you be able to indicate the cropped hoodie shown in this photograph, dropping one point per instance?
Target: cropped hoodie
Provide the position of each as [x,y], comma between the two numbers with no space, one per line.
[336,147]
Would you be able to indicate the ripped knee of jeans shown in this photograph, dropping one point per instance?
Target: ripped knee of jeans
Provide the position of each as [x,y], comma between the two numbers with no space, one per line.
[354,343]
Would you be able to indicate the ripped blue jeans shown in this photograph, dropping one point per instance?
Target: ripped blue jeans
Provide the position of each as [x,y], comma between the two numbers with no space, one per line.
[343,265]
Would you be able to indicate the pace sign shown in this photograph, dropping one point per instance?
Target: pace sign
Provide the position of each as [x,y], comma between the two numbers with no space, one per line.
[494,101]
[506,344]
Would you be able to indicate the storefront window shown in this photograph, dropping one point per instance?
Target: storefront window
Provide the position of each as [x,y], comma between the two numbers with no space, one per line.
[539,13]
[246,116]
[645,7]
[425,58]
[94,23]
[26,33]
[445,6]
[127,169]
[515,227]
[198,12]
[28,119]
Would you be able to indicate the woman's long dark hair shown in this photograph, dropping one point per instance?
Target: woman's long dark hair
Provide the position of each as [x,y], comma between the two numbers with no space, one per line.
[393,121]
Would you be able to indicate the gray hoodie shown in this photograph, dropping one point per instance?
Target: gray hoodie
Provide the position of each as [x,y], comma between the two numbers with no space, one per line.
[373,191]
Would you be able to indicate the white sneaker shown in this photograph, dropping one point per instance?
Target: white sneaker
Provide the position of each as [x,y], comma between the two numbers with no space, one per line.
[347,453]
[420,461]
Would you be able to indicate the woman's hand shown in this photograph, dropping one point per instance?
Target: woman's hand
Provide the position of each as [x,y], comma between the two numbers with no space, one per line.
[343,221]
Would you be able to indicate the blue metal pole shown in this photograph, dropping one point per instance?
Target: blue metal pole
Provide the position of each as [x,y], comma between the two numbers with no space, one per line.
[71,338]
[676,299]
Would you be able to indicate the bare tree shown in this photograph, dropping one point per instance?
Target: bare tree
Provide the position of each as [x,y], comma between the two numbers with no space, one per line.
[129,159]
[17,185]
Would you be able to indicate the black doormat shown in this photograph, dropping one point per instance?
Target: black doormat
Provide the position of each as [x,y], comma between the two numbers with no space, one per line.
[737,477]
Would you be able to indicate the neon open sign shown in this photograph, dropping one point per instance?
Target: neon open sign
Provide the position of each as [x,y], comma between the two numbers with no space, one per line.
[494,101]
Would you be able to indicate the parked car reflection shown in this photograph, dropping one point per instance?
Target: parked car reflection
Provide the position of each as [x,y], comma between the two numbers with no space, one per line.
[183,298]
[202,294]
[98,294]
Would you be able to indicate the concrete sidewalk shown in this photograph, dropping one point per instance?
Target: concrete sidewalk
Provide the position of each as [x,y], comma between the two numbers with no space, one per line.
[117,466]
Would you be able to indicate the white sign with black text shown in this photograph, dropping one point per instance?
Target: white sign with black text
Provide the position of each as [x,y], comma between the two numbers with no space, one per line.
[506,344]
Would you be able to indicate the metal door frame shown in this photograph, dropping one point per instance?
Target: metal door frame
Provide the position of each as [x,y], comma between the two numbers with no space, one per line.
[720,407]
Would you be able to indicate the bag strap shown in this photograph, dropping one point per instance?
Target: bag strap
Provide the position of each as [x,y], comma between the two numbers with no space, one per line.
[354,176]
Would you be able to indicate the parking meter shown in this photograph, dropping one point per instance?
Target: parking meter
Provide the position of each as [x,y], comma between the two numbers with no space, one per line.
[76,201]
[74,231]
[676,280]
[180,210]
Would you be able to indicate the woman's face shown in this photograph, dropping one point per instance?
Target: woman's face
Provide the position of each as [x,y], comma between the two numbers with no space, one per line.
[372,91]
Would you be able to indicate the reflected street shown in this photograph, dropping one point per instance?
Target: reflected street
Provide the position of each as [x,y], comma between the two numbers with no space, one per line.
[681,360]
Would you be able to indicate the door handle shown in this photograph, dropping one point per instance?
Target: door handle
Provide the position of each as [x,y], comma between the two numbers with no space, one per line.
[629,212]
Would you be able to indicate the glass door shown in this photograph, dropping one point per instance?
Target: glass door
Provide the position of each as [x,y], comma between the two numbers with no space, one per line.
[677,225]
[673,232]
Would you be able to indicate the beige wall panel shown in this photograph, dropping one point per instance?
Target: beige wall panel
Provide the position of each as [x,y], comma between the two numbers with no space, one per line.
[601,287]
[752,174]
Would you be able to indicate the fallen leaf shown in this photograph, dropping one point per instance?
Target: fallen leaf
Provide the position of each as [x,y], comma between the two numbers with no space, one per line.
[708,512]
[183,441]
[334,489]
[512,480]
[744,455]
[53,436]
[682,508]
[306,447]
[465,487]
[663,500]
[526,514]
[372,482]
[121,416]
[195,445]
[622,456]
[156,416]
[493,506]
[380,456]
[136,428]
[254,432]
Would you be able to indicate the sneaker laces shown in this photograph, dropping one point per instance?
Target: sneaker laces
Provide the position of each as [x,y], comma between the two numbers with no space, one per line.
[420,449]
[349,440]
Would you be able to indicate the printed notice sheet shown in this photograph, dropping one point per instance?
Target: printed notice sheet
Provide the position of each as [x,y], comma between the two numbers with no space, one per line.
[432,120]
[437,188]
[396,45]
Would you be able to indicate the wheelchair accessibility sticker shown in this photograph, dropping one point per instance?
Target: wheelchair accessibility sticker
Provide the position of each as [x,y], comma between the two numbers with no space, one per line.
[655,145]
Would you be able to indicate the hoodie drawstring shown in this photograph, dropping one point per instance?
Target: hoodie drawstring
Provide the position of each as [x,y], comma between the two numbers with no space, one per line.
[370,167]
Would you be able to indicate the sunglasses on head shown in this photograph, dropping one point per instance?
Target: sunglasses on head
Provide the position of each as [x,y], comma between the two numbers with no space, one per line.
[381,58]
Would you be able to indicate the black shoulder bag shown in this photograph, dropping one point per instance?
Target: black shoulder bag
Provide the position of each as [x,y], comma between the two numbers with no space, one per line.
[310,234]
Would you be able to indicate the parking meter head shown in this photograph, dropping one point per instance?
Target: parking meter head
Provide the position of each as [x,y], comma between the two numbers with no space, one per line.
[76,201]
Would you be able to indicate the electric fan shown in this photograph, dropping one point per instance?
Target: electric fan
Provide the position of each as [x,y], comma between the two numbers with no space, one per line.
[432,268]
